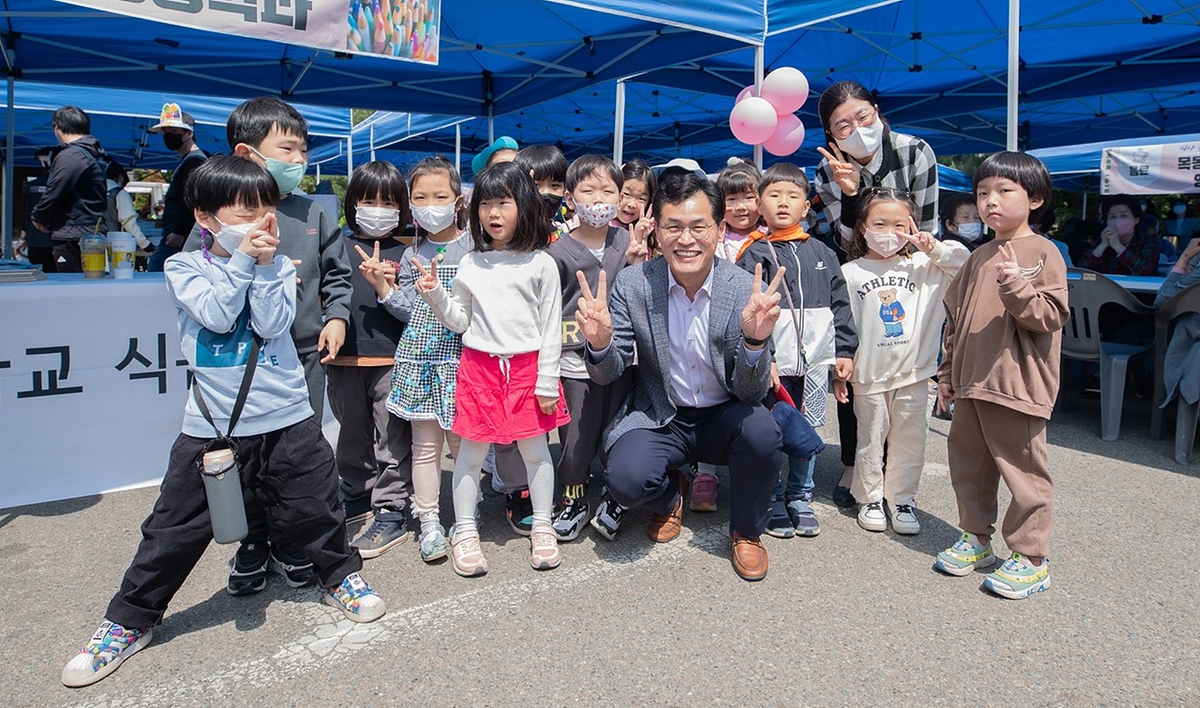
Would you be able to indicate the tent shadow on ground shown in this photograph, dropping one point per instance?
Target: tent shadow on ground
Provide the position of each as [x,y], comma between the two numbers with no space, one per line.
[53,508]
[1076,425]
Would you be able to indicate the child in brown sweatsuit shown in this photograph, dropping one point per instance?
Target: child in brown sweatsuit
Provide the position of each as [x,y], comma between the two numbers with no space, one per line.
[1006,310]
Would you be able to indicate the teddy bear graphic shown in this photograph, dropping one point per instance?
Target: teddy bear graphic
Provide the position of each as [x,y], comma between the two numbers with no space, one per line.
[892,314]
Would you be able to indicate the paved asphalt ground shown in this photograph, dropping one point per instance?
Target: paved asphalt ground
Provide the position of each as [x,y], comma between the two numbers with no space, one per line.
[847,618]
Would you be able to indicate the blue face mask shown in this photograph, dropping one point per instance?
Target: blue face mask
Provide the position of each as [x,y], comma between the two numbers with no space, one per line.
[287,174]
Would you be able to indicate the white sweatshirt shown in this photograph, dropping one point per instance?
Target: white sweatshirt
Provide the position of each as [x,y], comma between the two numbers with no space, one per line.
[897,306]
[506,303]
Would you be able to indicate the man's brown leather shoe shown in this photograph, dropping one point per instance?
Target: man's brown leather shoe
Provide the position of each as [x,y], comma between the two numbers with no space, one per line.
[749,557]
[666,528]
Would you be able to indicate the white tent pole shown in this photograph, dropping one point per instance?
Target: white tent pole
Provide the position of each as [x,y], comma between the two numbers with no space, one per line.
[619,128]
[458,146]
[9,217]
[350,154]
[491,125]
[758,79]
[372,142]
[1014,63]
[1085,191]
[318,173]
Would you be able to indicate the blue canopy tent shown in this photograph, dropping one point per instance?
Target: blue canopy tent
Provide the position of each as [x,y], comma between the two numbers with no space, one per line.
[120,119]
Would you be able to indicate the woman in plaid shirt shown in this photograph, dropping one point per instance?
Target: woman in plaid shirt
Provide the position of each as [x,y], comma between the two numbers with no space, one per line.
[864,152]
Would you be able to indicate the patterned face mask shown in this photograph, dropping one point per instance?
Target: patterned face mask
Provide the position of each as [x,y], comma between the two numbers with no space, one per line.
[597,214]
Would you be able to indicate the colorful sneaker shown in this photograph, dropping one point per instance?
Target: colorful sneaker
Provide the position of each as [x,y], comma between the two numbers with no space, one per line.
[357,510]
[779,524]
[1017,579]
[543,548]
[703,496]
[356,599]
[434,545]
[607,520]
[296,572]
[248,569]
[571,519]
[519,510]
[871,516]
[903,518]
[105,651]
[965,556]
[385,533]
[467,555]
[803,519]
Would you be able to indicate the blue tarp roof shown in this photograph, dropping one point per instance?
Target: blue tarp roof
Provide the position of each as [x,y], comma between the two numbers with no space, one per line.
[120,119]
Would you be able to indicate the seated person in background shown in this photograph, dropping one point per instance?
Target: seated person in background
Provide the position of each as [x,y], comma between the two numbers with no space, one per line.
[1181,368]
[1124,247]
[960,221]
[1180,225]
[1166,247]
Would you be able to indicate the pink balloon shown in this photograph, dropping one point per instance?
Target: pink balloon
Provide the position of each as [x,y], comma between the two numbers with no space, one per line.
[786,88]
[744,93]
[753,120]
[787,138]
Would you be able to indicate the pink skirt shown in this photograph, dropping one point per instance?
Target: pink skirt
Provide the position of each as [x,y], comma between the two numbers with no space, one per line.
[496,400]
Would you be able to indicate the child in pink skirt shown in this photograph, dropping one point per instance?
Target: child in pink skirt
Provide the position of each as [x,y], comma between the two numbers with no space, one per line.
[507,303]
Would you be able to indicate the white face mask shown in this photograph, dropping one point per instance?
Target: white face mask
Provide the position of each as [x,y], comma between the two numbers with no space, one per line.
[435,218]
[597,214]
[884,243]
[231,235]
[971,231]
[864,141]
[376,222]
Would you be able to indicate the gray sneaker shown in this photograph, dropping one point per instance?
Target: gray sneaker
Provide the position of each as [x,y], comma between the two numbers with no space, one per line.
[387,532]
[904,519]
[434,545]
[779,524]
[803,519]
[871,516]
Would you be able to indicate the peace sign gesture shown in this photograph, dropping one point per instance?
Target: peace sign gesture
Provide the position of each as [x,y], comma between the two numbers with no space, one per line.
[761,313]
[639,236]
[921,239]
[428,280]
[592,315]
[1007,270]
[845,171]
[375,271]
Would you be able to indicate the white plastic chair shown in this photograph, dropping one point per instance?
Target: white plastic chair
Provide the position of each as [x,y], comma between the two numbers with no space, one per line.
[1183,302]
[1082,340]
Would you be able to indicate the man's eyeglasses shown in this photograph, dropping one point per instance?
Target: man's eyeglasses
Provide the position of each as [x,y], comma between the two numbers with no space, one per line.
[842,129]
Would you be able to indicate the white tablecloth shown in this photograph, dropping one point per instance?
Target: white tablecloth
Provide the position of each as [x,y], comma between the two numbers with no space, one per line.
[92,386]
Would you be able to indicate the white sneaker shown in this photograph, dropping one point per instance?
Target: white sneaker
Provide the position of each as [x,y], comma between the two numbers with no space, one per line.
[871,516]
[467,555]
[543,548]
[904,519]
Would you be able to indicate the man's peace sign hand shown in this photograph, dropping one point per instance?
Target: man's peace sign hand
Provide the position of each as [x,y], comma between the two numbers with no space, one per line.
[592,315]
[761,313]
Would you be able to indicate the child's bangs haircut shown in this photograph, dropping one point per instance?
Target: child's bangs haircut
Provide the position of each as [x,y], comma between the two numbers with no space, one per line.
[544,162]
[1025,170]
[376,180]
[740,178]
[784,172]
[857,247]
[639,170]
[251,122]
[506,180]
[588,165]
[230,181]
[436,165]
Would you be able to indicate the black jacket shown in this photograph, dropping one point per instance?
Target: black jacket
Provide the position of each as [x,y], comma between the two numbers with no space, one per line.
[76,195]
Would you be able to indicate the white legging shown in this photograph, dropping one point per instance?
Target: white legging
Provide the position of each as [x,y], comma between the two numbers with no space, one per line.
[427,445]
[539,470]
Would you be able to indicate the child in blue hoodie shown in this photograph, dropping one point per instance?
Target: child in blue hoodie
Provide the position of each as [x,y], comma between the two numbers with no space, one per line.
[233,291]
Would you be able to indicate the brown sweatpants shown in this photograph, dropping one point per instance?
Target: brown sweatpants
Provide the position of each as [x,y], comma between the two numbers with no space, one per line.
[988,442]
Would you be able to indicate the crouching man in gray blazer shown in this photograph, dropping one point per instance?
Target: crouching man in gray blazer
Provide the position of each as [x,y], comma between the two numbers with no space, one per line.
[700,326]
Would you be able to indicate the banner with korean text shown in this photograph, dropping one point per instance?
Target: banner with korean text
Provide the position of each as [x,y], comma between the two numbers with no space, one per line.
[1173,168]
[399,29]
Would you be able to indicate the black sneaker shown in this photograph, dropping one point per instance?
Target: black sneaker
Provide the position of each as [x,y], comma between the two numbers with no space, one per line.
[843,498]
[248,569]
[357,509]
[388,531]
[571,518]
[297,572]
[607,520]
[520,511]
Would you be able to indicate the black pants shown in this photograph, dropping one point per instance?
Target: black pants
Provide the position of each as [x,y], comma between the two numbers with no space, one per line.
[592,407]
[67,257]
[642,464]
[290,472]
[848,427]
